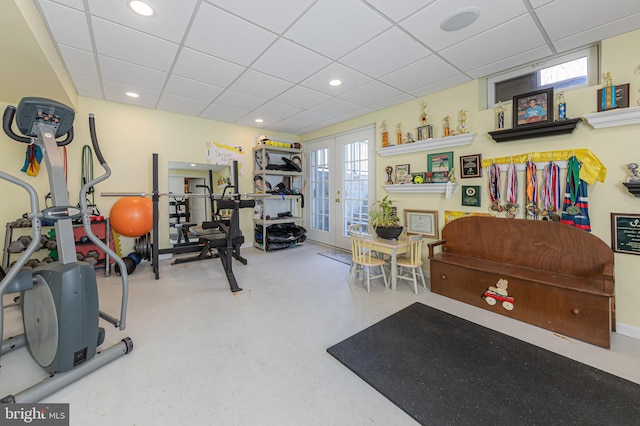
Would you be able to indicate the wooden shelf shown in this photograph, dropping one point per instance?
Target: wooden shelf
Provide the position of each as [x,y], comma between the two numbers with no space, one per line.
[423,188]
[427,145]
[614,118]
[536,130]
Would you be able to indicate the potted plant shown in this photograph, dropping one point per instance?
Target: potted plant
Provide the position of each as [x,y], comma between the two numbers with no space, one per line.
[384,220]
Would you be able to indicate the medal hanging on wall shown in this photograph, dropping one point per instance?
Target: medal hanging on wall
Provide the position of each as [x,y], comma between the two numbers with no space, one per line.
[573,180]
[575,209]
[512,192]
[495,194]
[550,192]
[532,209]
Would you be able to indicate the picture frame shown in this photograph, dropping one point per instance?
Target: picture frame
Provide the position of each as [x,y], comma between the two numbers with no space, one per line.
[471,166]
[625,233]
[422,222]
[440,162]
[403,174]
[541,111]
[418,178]
[471,195]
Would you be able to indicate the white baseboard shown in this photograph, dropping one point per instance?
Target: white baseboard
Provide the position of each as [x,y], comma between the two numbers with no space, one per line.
[627,330]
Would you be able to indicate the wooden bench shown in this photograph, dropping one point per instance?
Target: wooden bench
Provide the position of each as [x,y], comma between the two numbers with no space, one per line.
[544,273]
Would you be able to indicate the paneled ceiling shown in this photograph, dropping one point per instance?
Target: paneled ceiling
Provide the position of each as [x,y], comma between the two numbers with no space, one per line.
[239,60]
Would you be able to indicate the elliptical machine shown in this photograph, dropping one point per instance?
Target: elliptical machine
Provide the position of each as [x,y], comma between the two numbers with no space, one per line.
[59,301]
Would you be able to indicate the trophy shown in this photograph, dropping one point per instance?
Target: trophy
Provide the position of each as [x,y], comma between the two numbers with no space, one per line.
[389,170]
[385,134]
[462,121]
[500,109]
[425,131]
[612,96]
[399,133]
[446,123]
[562,106]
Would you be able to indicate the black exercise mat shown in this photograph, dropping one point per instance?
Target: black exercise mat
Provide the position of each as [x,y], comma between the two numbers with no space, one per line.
[444,370]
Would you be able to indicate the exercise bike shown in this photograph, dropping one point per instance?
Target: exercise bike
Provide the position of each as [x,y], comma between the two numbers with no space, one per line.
[58,301]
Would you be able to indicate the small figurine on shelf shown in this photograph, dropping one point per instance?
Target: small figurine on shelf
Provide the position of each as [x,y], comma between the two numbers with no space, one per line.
[399,133]
[500,109]
[385,134]
[446,124]
[389,170]
[607,80]
[409,138]
[451,176]
[635,173]
[462,121]
[562,106]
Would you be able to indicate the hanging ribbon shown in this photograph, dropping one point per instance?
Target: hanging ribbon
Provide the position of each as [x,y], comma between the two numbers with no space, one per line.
[32,160]
[512,191]
[575,209]
[551,191]
[495,193]
[532,190]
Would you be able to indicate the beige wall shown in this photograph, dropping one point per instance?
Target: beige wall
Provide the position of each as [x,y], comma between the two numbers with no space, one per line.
[615,147]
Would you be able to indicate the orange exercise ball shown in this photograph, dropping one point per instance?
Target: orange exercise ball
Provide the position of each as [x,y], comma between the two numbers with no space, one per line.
[132,216]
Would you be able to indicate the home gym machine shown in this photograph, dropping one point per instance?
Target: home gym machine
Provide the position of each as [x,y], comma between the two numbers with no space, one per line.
[59,301]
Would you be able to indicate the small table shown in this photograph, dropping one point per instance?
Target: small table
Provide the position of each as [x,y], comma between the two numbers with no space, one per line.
[392,248]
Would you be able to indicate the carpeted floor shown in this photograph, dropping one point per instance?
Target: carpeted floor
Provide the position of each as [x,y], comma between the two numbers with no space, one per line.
[441,369]
[340,256]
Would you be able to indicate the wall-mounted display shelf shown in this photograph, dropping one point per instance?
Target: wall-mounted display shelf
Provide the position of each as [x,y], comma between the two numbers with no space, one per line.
[614,118]
[423,188]
[633,188]
[536,130]
[427,145]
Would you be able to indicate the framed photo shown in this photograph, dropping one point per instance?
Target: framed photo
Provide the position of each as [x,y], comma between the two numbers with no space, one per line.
[419,177]
[425,132]
[423,222]
[471,166]
[625,233]
[402,173]
[440,162]
[533,108]
[471,195]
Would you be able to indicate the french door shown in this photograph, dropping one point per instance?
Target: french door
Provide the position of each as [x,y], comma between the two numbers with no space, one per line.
[341,175]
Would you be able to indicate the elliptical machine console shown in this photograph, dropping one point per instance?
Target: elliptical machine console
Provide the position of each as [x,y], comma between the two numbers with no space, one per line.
[59,301]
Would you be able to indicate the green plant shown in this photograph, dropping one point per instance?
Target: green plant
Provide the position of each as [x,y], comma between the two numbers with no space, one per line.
[383,214]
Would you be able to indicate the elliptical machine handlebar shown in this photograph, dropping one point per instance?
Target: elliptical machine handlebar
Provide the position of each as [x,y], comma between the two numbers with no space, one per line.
[7,119]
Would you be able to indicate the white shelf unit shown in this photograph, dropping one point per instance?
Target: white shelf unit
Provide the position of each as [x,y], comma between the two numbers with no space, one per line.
[423,188]
[614,118]
[273,204]
[427,145]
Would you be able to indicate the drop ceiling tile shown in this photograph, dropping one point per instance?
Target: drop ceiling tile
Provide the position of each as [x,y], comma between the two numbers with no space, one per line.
[629,23]
[335,27]
[79,61]
[88,86]
[443,84]
[213,29]
[385,53]
[260,84]
[399,9]
[181,105]
[240,101]
[425,24]
[538,3]
[222,113]
[116,92]
[76,4]
[277,110]
[275,15]
[290,61]
[392,101]
[285,126]
[169,21]
[125,72]
[370,93]
[199,66]
[307,118]
[68,26]
[335,107]
[301,97]
[510,62]
[128,45]
[481,50]
[192,89]
[420,73]
[250,120]
[356,113]
[349,77]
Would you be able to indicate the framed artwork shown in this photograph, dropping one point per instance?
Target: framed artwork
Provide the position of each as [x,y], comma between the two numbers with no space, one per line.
[471,166]
[419,177]
[471,195]
[423,222]
[625,233]
[532,108]
[403,174]
[439,166]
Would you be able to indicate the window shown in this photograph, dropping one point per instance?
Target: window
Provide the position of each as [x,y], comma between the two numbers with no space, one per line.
[575,69]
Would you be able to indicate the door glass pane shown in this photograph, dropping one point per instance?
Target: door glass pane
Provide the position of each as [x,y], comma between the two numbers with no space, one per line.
[320,189]
[355,188]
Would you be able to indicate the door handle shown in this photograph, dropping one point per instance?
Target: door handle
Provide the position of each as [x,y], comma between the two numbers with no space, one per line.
[337,200]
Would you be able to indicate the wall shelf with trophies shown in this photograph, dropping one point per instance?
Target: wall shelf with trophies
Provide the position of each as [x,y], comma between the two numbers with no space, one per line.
[424,188]
[614,118]
[536,130]
[427,145]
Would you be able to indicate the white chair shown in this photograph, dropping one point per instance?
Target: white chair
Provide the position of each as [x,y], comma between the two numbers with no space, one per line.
[412,260]
[362,257]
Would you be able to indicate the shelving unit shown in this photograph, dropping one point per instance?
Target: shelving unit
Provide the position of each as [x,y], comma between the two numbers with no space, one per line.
[279,208]
[614,118]
[424,188]
[536,130]
[427,145]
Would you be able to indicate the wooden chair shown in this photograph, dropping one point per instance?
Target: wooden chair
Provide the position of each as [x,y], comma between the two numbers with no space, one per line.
[413,261]
[362,257]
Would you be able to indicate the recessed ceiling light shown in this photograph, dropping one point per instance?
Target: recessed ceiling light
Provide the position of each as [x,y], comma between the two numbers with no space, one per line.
[141,8]
[133,95]
[335,83]
[259,120]
[460,19]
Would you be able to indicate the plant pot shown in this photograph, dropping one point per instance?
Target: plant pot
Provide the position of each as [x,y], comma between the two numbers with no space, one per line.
[388,232]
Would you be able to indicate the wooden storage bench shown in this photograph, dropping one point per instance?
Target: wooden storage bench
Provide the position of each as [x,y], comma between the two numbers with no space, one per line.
[544,273]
